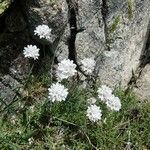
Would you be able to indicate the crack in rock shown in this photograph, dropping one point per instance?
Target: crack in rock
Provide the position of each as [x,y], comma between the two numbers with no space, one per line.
[72,10]
[104,11]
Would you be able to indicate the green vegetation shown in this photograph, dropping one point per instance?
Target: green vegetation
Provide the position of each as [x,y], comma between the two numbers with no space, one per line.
[130,9]
[32,122]
[4,5]
[114,25]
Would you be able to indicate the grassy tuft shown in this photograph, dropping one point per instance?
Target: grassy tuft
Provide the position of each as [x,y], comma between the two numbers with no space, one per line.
[130,9]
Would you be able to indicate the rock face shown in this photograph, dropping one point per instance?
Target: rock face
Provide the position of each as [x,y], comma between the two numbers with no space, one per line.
[143,84]
[113,32]
[129,39]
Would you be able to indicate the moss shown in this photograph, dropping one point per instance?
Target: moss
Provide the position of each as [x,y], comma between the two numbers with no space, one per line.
[114,25]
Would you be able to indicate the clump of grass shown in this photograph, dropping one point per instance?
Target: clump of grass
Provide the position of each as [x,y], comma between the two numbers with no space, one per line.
[130,9]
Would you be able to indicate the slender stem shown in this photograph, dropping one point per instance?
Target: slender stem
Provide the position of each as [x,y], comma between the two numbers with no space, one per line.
[81,129]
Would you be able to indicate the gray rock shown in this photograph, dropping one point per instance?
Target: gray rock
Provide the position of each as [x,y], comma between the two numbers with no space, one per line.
[20,68]
[15,21]
[129,40]
[45,12]
[143,84]
[6,94]
[11,45]
[115,34]
[10,82]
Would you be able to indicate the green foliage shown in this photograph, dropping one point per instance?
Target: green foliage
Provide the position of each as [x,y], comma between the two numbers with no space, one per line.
[39,124]
[130,9]
[4,5]
[114,25]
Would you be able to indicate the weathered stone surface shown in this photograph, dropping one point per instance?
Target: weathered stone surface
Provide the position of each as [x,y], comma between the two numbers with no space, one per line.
[143,84]
[129,40]
[15,22]
[11,45]
[49,13]
[10,82]
[91,41]
[20,68]
[6,93]
[117,47]
[9,89]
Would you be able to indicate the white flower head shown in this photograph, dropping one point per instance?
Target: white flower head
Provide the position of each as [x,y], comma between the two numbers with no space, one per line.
[91,101]
[88,65]
[32,108]
[31,51]
[104,92]
[114,103]
[57,92]
[94,113]
[13,119]
[43,31]
[30,140]
[66,68]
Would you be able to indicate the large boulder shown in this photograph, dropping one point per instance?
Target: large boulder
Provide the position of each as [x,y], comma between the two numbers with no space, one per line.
[142,88]
[115,35]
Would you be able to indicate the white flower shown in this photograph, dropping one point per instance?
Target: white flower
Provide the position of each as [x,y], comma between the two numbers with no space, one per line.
[32,109]
[91,101]
[66,68]
[13,119]
[94,113]
[31,51]
[57,92]
[104,93]
[30,140]
[88,65]
[43,31]
[114,103]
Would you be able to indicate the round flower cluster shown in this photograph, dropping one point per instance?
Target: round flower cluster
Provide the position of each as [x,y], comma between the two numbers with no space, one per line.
[57,92]
[66,68]
[106,96]
[113,103]
[43,31]
[94,113]
[31,51]
[88,65]
[104,92]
